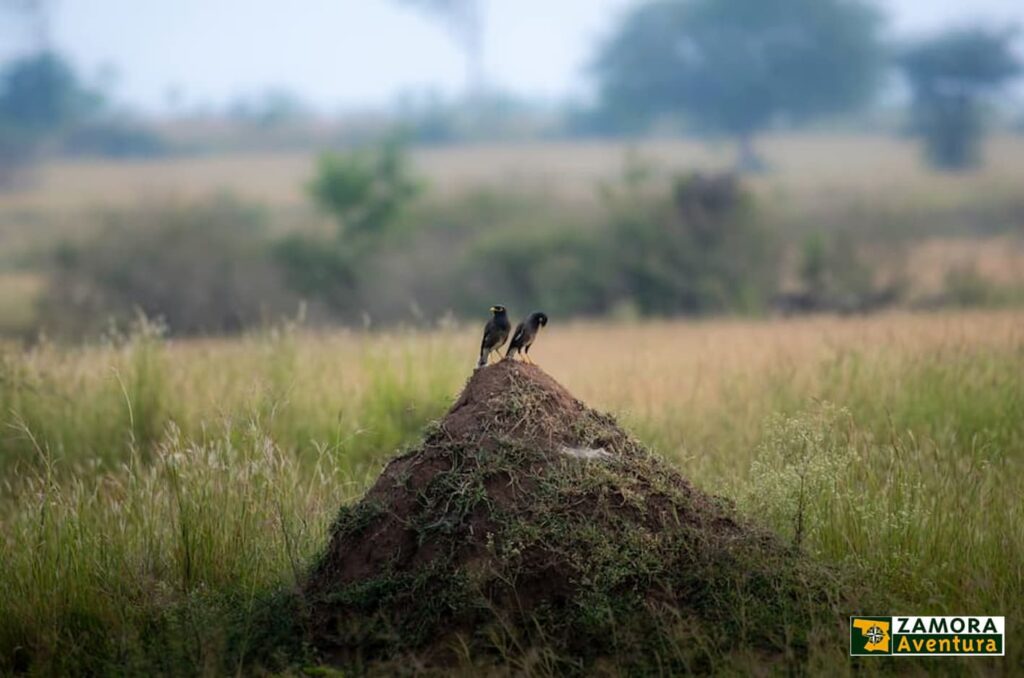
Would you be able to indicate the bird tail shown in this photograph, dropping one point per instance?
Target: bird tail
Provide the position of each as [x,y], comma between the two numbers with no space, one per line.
[483,358]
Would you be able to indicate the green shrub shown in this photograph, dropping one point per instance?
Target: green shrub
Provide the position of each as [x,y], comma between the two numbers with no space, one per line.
[700,251]
[798,467]
[694,249]
[965,287]
[318,268]
[836,276]
[201,268]
[364,191]
[561,270]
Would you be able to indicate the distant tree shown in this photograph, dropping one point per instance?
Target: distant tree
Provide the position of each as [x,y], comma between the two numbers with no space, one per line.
[364,191]
[950,75]
[39,97]
[41,93]
[736,66]
[464,21]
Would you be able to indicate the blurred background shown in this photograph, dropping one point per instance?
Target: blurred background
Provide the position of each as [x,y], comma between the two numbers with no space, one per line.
[222,165]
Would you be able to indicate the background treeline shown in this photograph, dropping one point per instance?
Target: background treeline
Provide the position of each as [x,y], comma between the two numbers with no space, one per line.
[374,243]
[390,253]
[388,249]
[727,68]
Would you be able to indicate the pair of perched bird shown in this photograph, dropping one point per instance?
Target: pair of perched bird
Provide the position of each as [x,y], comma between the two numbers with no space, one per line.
[496,332]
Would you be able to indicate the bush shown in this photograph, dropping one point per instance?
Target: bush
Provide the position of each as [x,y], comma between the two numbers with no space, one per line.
[835,276]
[694,249]
[318,268]
[797,470]
[965,287]
[203,268]
[365,192]
[701,251]
[560,270]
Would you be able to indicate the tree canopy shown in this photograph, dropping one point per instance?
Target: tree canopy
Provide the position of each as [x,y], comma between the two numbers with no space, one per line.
[966,61]
[950,74]
[41,93]
[365,191]
[735,66]
[40,96]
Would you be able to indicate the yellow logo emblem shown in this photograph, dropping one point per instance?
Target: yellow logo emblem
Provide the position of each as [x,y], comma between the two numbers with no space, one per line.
[874,635]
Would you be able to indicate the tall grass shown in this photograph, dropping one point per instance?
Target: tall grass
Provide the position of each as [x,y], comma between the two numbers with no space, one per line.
[161,564]
[161,500]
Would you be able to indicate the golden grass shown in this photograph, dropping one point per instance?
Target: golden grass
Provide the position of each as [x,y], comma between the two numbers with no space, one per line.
[653,366]
[999,260]
[813,167]
[698,391]
[673,364]
[674,380]
[18,294]
[635,369]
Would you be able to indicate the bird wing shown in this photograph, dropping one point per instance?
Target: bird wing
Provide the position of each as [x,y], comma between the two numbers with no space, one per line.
[494,336]
[517,338]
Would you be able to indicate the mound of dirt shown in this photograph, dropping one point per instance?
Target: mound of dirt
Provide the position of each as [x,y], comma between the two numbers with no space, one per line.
[527,524]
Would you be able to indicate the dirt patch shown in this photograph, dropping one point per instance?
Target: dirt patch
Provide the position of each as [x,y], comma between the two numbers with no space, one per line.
[489,533]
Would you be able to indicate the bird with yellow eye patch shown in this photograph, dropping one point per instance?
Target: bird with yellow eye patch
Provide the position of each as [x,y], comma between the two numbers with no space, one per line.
[495,333]
[525,334]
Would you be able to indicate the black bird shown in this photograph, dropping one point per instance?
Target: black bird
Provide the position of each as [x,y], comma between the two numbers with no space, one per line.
[526,332]
[495,333]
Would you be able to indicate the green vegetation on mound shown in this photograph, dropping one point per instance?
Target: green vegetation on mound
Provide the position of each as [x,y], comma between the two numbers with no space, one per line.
[529,528]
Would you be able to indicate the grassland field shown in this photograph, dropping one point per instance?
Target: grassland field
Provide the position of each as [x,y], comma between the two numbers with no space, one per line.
[807,167]
[155,491]
[917,225]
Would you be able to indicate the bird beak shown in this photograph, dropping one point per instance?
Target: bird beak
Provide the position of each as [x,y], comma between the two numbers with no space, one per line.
[494,309]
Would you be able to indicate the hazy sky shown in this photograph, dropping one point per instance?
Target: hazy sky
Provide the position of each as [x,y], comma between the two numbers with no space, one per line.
[356,53]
